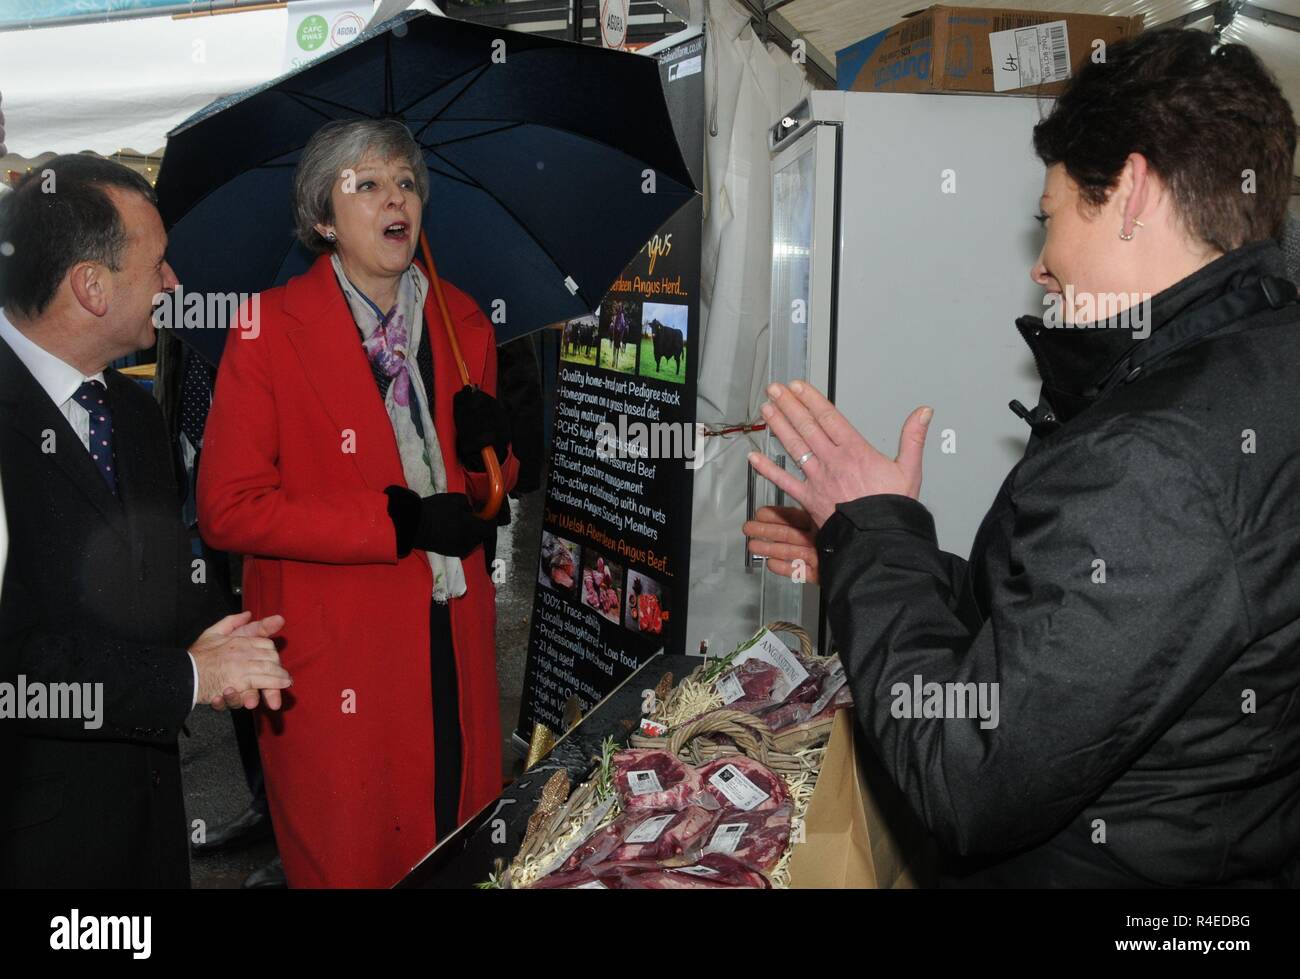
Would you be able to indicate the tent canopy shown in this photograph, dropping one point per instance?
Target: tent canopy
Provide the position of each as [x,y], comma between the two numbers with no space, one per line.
[122,85]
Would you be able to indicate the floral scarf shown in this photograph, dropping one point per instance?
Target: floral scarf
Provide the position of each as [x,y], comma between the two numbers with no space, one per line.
[391,342]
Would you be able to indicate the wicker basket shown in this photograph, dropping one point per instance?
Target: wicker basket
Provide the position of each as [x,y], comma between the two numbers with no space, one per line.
[750,735]
[793,753]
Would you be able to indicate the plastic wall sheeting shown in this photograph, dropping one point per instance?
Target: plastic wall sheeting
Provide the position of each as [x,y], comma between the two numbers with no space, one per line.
[748,86]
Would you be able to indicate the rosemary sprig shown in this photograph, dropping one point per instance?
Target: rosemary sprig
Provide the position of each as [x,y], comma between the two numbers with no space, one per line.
[721,666]
[605,773]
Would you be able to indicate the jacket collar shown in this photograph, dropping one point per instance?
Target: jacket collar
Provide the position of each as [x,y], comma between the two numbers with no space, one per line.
[328,345]
[1078,365]
[314,294]
[59,379]
[33,414]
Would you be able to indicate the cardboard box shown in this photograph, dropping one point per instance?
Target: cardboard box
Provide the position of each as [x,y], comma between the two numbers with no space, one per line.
[979,49]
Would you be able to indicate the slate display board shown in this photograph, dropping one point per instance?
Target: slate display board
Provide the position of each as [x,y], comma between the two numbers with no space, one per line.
[611,586]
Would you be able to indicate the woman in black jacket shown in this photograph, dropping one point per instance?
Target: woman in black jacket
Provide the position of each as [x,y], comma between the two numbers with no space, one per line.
[1131,603]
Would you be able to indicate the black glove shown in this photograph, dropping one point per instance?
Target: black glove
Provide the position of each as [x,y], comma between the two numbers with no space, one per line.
[480,421]
[443,523]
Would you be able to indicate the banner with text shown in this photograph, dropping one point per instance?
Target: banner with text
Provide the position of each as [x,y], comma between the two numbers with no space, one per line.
[616,530]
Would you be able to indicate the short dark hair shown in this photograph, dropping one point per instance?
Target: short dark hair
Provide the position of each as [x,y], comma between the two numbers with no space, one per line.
[1201,113]
[59,214]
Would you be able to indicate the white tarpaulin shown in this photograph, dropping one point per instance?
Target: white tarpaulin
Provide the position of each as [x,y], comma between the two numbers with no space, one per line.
[123,84]
[747,86]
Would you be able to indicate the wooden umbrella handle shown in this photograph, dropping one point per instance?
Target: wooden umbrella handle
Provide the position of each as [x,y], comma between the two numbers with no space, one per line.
[496,482]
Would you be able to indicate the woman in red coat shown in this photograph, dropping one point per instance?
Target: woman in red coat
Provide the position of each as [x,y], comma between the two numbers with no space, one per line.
[343,459]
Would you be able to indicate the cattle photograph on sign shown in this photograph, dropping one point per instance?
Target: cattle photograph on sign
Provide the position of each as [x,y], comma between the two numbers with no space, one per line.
[578,340]
[663,342]
[618,324]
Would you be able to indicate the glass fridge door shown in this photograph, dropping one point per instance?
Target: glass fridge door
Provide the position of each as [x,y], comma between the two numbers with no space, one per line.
[801,317]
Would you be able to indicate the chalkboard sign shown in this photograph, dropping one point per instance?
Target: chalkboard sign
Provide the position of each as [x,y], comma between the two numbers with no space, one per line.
[612,580]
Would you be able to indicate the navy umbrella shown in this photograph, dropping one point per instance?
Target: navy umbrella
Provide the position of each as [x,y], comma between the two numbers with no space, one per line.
[550,164]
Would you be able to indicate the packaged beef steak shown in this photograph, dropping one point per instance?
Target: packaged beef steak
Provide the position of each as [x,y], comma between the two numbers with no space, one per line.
[757,839]
[650,780]
[580,879]
[737,782]
[713,870]
[749,687]
[641,837]
[819,696]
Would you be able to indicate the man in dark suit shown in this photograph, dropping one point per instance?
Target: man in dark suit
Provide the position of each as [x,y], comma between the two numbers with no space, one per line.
[103,653]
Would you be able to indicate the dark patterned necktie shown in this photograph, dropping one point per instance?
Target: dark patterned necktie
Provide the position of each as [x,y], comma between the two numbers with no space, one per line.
[196,397]
[94,398]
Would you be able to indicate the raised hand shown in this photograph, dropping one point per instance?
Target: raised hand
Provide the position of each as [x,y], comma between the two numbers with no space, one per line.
[838,464]
[784,535]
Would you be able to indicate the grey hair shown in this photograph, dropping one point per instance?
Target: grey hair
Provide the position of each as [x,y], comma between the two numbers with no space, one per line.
[338,146]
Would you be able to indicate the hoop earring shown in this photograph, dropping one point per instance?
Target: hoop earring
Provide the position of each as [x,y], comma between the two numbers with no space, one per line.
[1129,236]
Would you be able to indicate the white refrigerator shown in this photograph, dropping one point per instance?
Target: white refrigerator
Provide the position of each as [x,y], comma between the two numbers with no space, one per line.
[902,240]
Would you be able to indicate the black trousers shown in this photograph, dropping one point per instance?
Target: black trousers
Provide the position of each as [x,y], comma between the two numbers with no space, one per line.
[446,721]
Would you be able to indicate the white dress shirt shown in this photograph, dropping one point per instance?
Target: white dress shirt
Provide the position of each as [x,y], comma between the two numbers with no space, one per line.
[60,380]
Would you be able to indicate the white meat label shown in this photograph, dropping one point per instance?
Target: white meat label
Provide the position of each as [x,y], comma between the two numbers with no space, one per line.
[834,681]
[726,838]
[591,885]
[697,871]
[770,649]
[1027,56]
[643,782]
[729,688]
[740,791]
[650,830]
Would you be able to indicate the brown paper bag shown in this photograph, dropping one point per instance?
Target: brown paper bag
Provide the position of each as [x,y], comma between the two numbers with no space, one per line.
[859,830]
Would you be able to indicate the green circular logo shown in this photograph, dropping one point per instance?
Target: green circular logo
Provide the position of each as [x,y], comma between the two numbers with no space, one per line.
[312,32]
